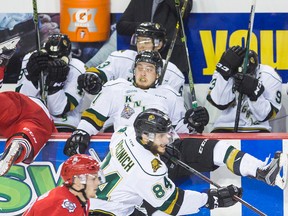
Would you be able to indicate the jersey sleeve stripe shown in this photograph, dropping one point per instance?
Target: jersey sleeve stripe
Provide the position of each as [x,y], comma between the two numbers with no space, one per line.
[94,118]
[172,205]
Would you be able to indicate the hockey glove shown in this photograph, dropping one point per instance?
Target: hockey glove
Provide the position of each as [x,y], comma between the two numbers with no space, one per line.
[57,74]
[90,82]
[196,119]
[248,85]
[170,153]
[77,143]
[37,62]
[222,197]
[230,61]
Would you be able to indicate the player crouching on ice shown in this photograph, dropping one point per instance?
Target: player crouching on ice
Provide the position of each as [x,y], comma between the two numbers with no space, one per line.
[81,175]
[25,121]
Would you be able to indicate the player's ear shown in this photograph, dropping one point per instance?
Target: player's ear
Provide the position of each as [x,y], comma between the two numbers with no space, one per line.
[145,139]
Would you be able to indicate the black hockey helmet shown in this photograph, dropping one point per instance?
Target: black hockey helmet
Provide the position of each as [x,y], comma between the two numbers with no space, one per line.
[152,121]
[152,30]
[253,62]
[152,57]
[58,45]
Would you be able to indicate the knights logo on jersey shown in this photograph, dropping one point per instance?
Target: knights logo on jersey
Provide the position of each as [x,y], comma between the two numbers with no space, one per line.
[70,206]
[127,112]
[156,164]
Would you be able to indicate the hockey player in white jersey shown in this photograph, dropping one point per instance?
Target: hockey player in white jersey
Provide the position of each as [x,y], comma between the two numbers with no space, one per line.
[119,64]
[62,71]
[261,87]
[134,171]
[121,101]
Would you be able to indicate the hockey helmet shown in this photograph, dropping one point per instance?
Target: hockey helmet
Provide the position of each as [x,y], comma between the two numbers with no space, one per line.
[253,62]
[155,31]
[58,45]
[77,165]
[152,121]
[152,57]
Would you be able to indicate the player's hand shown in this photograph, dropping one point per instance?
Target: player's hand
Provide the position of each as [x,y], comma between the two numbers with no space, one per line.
[230,61]
[196,119]
[90,82]
[57,70]
[223,197]
[77,143]
[37,62]
[248,85]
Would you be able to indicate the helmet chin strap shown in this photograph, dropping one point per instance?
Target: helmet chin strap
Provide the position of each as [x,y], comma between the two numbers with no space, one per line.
[83,193]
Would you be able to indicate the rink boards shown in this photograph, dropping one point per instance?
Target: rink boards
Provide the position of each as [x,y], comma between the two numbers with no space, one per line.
[25,183]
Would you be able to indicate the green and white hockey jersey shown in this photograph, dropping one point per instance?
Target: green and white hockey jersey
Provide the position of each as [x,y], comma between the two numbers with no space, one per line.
[132,174]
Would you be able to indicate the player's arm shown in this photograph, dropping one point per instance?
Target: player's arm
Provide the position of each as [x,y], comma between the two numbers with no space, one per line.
[63,93]
[220,93]
[267,104]
[92,121]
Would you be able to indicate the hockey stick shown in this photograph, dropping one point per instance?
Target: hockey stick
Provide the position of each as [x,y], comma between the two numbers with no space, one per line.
[93,154]
[43,92]
[195,172]
[190,77]
[250,29]
[177,4]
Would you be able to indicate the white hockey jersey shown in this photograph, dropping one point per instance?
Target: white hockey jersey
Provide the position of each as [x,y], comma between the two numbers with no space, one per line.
[56,103]
[132,174]
[121,102]
[119,64]
[253,113]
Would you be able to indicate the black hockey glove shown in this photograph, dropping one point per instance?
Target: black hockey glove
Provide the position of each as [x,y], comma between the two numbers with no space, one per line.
[230,61]
[57,74]
[77,143]
[248,85]
[223,197]
[37,62]
[196,119]
[170,153]
[90,82]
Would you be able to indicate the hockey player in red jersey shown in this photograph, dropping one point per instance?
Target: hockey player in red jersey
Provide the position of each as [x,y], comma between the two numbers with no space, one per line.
[25,121]
[81,175]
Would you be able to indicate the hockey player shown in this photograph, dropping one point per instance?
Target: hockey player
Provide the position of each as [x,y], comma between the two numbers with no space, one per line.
[81,175]
[119,64]
[62,71]
[129,156]
[134,171]
[261,87]
[25,121]
[121,101]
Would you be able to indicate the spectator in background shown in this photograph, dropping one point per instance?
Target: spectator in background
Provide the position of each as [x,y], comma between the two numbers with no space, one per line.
[159,11]
[25,121]
[63,95]
[261,86]
[81,175]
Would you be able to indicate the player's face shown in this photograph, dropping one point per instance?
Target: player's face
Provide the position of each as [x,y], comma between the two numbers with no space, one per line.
[144,43]
[92,183]
[145,75]
[161,140]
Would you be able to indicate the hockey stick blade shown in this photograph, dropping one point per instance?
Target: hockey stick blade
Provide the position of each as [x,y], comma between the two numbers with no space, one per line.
[9,44]
[281,181]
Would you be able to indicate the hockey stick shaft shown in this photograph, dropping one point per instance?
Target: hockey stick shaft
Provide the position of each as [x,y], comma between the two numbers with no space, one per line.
[203,177]
[38,45]
[245,62]
[168,57]
[190,77]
